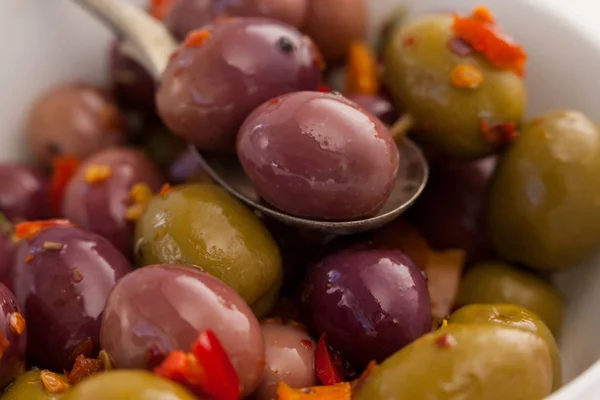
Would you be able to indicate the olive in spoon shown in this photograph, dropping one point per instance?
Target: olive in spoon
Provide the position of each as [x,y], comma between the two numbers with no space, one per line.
[149,42]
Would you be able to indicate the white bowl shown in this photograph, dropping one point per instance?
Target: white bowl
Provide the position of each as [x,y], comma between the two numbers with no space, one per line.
[45,42]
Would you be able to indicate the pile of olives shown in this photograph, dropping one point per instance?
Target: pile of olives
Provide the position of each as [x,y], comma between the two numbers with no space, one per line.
[119,252]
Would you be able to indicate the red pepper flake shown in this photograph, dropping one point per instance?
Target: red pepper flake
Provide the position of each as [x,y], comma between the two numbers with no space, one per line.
[341,391]
[318,59]
[77,276]
[206,371]
[63,169]
[28,259]
[500,133]
[460,47]
[409,41]
[160,8]
[30,229]
[361,70]
[174,55]
[480,31]
[466,76]
[307,344]
[140,193]
[446,341]
[275,101]
[4,344]
[323,88]
[166,189]
[327,371]
[17,323]
[95,174]
[197,38]
[84,368]
[84,348]
[53,383]
[135,212]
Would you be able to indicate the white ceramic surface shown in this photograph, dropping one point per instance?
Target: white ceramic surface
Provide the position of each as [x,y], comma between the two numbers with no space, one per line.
[45,42]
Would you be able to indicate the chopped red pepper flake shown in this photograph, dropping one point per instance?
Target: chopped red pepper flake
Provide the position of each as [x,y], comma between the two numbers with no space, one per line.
[4,344]
[362,76]
[318,59]
[341,391]
[483,14]
[446,341]
[307,344]
[83,368]
[63,169]
[409,41]
[197,38]
[53,383]
[275,101]
[327,371]
[30,229]
[28,259]
[95,174]
[166,189]
[206,371]
[466,76]
[17,323]
[84,348]
[483,35]
[160,8]
[323,88]
[500,133]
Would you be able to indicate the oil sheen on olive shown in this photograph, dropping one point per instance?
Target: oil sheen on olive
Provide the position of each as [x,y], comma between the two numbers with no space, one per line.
[202,225]
[467,362]
[543,201]
[418,64]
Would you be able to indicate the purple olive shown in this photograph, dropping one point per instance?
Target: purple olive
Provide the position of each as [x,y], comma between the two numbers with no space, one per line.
[370,303]
[290,358]
[161,308]
[319,156]
[8,251]
[24,194]
[101,207]
[131,84]
[188,15]
[378,106]
[74,120]
[13,337]
[62,278]
[222,73]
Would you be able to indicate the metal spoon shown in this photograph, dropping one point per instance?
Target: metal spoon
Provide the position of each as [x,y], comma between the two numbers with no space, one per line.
[147,41]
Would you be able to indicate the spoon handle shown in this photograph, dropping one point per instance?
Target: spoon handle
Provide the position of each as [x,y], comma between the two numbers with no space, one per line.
[150,37]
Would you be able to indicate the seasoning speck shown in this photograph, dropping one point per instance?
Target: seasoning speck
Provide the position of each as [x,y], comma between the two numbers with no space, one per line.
[28,259]
[4,343]
[197,38]
[446,341]
[466,76]
[140,193]
[97,173]
[17,323]
[52,246]
[166,189]
[77,276]
[135,212]
[53,383]
[409,41]
[308,344]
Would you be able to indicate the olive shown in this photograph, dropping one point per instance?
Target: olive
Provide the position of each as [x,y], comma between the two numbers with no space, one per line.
[543,201]
[369,302]
[62,278]
[290,358]
[499,283]
[29,386]
[24,194]
[75,120]
[202,225]
[511,315]
[13,337]
[8,251]
[126,385]
[101,206]
[223,72]
[470,362]
[161,308]
[319,156]
[417,72]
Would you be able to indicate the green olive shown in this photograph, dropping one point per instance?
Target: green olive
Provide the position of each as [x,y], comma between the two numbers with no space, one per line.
[29,386]
[544,199]
[203,226]
[500,283]
[126,385]
[467,362]
[417,71]
[519,317]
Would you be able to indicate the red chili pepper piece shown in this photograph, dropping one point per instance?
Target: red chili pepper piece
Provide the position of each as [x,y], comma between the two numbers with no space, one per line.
[63,169]
[327,372]
[323,88]
[30,229]
[160,8]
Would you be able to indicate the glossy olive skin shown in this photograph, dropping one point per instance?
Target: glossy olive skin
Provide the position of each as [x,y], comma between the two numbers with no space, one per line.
[249,61]
[132,331]
[377,105]
[63,292]
[101,207]
[470,362]
[29,386]
[543,200]
[203,226]
[24,194]
[290,358]
[131,84]
[417,74]
[335,24]
[13,355]
[76,120]
[370,303]
[125,385]
[511,315]
[451,211]
[499,283]
[319,156]
[8,250]
[188,15]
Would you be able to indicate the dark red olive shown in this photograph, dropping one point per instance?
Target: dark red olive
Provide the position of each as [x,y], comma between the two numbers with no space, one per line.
[319,156]
[24,194]
[222,73]
[370,303]
[13,337]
